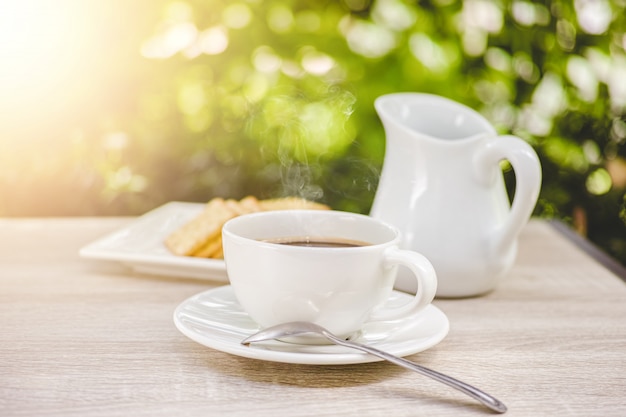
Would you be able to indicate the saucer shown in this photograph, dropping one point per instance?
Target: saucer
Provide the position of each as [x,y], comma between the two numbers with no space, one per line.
[215,319]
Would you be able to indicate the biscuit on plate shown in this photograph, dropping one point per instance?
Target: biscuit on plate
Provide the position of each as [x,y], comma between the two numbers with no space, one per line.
[202,235]
[291,203]
[194,234]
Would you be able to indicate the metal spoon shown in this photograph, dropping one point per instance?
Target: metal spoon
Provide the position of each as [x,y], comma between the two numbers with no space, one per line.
[301,327]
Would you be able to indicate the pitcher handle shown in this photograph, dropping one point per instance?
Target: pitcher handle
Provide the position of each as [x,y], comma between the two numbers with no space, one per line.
[527,168]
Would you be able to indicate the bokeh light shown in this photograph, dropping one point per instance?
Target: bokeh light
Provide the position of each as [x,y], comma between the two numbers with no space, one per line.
[115,107]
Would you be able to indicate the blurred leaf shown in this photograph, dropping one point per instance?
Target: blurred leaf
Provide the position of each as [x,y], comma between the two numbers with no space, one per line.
[138,103]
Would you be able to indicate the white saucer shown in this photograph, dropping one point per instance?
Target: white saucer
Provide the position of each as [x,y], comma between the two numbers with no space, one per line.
[215,319]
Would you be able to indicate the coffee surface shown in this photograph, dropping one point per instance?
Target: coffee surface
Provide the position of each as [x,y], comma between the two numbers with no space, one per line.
[317,242]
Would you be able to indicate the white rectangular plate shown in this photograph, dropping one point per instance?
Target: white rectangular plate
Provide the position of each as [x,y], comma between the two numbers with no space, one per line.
[140,245]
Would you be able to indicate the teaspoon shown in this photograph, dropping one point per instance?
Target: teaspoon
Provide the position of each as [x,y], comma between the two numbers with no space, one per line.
[301,327]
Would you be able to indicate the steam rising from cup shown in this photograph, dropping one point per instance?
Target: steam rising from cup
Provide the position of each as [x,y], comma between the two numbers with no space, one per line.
[303,131]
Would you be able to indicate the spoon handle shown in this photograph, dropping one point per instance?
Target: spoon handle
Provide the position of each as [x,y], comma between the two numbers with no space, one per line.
[486,399]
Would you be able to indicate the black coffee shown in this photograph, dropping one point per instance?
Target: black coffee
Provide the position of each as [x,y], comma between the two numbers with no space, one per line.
[317,242]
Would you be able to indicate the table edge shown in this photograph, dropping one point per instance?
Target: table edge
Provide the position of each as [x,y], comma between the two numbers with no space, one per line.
[590,248]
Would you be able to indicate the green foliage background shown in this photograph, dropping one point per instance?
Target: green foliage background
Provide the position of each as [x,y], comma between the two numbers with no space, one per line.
[194,99]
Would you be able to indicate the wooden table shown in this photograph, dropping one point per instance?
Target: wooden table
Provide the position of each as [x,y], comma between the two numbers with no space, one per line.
[86,338]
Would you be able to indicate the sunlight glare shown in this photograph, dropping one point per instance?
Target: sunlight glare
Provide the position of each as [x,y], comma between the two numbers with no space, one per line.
[32,34]
[43,44]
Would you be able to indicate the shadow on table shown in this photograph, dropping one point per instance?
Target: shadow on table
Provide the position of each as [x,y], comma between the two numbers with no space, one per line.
[318,376]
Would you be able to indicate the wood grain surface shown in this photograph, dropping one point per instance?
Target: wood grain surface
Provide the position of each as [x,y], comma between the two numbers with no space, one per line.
[90,338]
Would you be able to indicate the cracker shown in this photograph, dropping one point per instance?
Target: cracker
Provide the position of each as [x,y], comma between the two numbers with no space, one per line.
[210,249]
[219,254]
[202,236]
[246,205]
[204,227]
[291,203]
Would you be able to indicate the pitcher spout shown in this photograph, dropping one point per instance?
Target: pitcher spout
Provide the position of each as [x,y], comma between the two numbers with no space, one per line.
[434,117]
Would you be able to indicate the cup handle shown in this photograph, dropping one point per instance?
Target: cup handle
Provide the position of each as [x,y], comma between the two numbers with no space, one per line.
[527,168]
[424,274]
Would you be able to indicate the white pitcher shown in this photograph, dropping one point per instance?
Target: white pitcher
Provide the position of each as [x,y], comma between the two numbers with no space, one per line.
[442,186]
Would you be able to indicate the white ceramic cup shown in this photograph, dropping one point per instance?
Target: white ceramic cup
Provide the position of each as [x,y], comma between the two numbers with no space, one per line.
[337,288]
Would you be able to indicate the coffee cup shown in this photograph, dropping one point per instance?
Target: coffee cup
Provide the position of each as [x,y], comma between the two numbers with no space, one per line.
[333,268]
